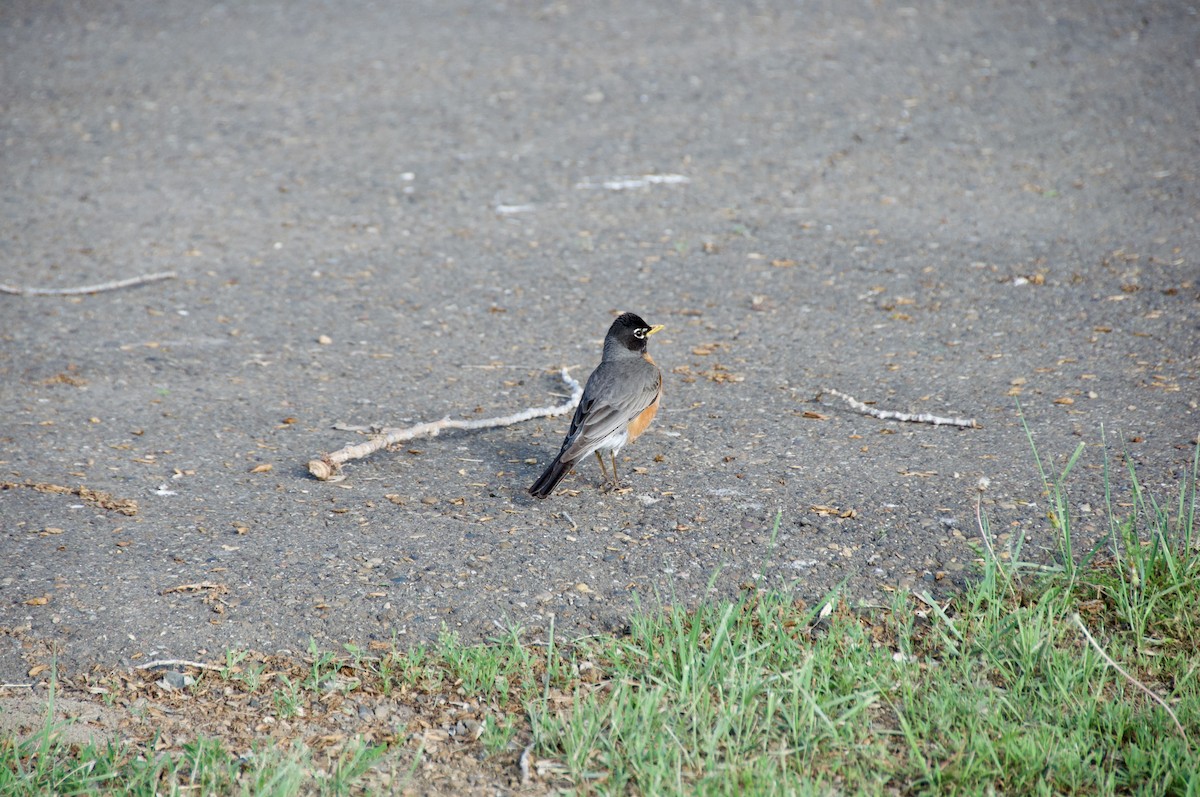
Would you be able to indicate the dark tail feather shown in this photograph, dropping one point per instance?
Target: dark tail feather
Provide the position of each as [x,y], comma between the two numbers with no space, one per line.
[550,479]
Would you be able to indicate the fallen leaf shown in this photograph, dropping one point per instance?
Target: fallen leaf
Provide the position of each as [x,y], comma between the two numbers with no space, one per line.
[266,467]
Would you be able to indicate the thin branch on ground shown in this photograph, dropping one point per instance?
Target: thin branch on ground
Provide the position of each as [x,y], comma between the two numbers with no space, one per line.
[198,586]
[892,415]
[328,466]
[157,663]
[86,289]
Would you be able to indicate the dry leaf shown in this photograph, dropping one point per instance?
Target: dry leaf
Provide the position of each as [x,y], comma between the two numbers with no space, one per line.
[39,601]
[266,467]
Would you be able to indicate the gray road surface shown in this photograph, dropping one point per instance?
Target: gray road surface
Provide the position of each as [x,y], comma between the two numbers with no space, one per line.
[390,213]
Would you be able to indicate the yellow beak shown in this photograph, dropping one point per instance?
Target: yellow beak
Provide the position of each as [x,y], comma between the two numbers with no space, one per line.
[654,329]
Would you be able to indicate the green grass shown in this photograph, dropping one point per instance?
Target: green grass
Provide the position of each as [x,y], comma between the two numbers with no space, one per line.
[1075,676]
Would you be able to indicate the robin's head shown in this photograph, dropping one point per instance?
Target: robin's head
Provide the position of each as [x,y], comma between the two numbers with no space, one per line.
[630,331]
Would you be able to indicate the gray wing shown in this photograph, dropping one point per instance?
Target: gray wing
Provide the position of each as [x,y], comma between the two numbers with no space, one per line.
[605,412]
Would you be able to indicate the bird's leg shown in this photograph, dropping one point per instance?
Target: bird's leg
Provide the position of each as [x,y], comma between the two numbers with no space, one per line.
[616,481]
[603,470]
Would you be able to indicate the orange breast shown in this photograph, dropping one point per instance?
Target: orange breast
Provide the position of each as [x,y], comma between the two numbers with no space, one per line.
[642,421]
[639,424]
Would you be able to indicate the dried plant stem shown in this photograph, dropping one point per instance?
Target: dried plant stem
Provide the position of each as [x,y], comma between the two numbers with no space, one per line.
[892,415]
[328,466]
[126,506]
[1112,663]
[104,286]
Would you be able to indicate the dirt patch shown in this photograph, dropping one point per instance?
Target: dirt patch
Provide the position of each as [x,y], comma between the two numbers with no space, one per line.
[75,721]
[267,702]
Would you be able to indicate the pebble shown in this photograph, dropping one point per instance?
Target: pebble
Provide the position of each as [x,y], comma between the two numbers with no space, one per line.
[173,679]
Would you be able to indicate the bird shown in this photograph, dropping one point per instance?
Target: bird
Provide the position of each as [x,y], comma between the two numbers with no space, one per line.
[619,400]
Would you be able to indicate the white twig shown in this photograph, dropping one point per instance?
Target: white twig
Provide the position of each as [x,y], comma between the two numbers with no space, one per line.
[892,415]
[104,286]
[328,466]
[523,764]
[625,182]
[1112,663]
[154,665]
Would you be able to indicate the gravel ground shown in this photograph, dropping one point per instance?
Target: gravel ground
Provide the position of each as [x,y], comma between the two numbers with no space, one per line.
[388,215]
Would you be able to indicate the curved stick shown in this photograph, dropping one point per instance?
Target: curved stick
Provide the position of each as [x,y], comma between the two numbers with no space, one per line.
[16,290]
[328,467]
[893,415]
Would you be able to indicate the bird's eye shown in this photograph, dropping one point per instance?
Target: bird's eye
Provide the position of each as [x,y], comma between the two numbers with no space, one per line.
[640,334]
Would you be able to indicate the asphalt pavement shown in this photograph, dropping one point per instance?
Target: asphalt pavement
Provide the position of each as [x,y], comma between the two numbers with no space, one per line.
[383,214]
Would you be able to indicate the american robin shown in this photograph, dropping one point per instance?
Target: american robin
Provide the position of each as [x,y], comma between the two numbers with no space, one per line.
[618,403]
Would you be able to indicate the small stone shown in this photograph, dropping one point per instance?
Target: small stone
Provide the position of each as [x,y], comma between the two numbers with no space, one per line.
[473,729]
[173,679]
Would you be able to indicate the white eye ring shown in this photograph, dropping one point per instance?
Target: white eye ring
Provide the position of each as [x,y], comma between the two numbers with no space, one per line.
[640,334]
